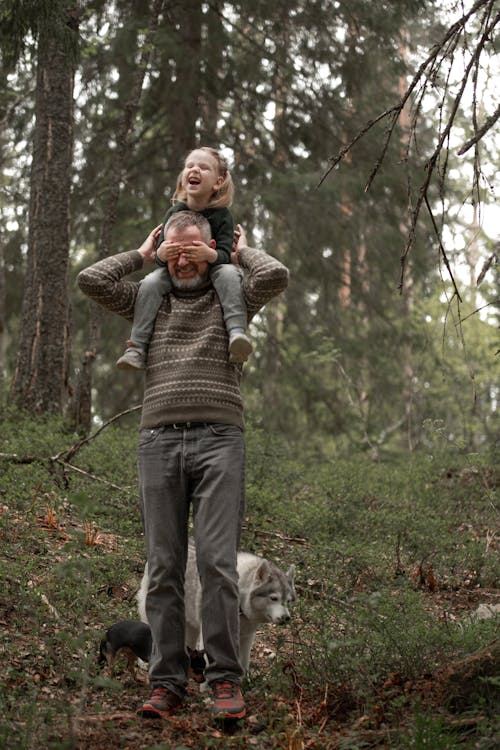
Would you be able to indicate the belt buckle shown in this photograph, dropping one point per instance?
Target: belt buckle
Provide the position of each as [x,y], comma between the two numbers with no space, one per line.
[181,425]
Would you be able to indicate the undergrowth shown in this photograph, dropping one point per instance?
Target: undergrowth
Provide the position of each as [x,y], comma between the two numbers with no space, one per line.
[392,560]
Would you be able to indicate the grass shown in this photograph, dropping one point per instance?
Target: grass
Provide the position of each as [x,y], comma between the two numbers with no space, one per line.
[391,560]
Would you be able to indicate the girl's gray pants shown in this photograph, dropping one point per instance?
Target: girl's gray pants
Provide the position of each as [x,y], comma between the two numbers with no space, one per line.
[226,279]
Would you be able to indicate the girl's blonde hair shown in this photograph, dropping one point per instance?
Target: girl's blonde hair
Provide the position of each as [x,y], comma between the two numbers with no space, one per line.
[223,197]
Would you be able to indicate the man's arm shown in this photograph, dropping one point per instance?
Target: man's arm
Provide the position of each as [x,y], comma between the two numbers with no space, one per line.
[105,281]
[264,277]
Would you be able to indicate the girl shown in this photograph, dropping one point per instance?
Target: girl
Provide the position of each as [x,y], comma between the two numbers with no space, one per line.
[204,185]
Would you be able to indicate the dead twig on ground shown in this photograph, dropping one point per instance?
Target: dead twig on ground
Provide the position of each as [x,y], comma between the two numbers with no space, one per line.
[64,457]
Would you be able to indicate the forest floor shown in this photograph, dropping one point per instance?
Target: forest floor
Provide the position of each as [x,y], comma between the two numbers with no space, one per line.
[64,581]
[102,715]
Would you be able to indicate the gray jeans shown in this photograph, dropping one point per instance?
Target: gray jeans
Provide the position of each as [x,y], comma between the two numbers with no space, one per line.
[227,283]
[202,466]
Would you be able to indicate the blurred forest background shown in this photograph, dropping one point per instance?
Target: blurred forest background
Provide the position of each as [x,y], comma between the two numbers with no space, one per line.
[101,101]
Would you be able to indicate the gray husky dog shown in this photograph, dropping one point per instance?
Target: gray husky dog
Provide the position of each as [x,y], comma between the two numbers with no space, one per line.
[265,593]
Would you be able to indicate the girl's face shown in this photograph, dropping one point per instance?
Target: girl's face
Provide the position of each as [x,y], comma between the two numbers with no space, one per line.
[200,178]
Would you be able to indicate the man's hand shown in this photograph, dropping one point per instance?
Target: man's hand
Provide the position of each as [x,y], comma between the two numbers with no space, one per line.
[239,241]
[147,249]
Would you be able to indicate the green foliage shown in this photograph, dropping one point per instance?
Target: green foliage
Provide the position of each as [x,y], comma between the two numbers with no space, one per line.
[280,92]
[392,508]
[20,20]
[429,731]
[369,636]
[380,550]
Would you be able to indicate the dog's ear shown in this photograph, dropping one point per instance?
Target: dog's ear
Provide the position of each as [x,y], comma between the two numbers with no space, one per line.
[262,571]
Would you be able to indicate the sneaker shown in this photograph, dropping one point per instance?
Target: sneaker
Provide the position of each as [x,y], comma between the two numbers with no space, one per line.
[228,701]
[133,359]
[239,347]
[161,704]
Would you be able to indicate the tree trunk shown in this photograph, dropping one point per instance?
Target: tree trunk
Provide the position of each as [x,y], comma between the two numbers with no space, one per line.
[3,137]
[2,317]
[41,373]
[81,406]
[213,65]
[275,312]
[408,394]
[186,89]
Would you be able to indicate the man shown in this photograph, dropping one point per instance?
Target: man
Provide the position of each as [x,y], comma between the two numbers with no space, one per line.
[191,451]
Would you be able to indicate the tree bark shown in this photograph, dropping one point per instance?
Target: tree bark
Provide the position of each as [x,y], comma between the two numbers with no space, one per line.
[276,312]
[213,65]
[81,406]
[41,374]
[2,316]
[186,94]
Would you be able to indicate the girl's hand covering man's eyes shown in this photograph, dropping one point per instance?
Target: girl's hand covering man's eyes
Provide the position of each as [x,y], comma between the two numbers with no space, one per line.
[199,252]
[168,250]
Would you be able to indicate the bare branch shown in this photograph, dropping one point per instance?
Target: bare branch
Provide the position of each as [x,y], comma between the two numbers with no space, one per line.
[487,125]
[487,264]
[475,312]
[63,457]
[426,74]
[342,153]
[70,452]
[451,37]
[442,250]
[431,164]
[87,474]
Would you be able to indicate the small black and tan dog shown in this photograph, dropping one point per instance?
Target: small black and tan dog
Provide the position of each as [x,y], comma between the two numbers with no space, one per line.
[132,640]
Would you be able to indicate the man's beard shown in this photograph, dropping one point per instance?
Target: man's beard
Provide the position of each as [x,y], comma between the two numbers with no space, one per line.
[195,283]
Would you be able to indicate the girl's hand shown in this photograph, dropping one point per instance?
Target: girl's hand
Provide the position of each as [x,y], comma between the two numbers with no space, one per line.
[168,250]
[198,252]
[147,249]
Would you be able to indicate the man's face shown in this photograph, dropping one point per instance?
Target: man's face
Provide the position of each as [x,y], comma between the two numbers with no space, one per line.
[186,274]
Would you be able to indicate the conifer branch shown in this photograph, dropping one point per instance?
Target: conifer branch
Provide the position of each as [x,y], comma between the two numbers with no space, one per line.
[441,249]
[426,74]
[487,125]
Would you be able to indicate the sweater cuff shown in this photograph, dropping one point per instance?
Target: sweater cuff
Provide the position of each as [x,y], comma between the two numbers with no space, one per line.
[136,256]
[244,252]
[159,262]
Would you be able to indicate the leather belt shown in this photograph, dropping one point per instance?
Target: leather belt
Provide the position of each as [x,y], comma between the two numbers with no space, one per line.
[186,425]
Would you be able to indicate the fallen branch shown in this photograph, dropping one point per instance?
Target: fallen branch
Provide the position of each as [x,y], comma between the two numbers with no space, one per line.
[277,535]
[87,474]
[15,459]
[63,458]
[70,452]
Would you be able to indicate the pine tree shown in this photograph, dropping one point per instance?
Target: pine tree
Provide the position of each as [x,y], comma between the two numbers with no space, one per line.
[41,373]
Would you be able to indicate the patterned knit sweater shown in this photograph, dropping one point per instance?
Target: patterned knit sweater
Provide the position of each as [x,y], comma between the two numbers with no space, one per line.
[188,374]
